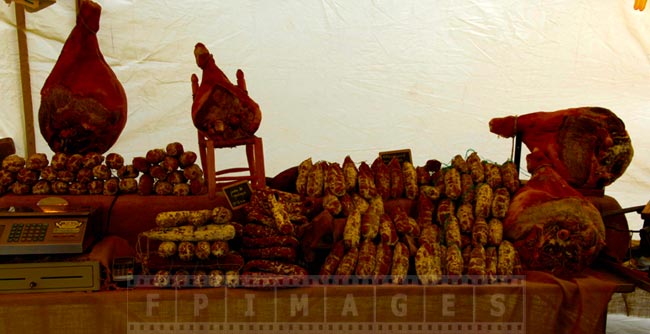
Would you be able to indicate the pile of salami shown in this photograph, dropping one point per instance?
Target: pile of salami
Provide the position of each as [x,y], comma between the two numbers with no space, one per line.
[169,171]
[193,242]
[394,222]
[269,242]
[211,248]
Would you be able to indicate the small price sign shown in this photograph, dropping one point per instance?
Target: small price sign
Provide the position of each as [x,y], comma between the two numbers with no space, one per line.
[400,155]
[238,194]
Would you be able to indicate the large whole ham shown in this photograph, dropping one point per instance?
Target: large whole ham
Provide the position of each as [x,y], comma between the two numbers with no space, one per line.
[551,224]
[83,104]
[221,110]
[589,146]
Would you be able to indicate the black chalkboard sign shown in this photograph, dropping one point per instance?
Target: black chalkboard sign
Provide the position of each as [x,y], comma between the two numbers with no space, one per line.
[400,155]
[238,194]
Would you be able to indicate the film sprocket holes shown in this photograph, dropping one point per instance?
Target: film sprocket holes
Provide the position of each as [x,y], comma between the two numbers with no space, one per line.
[455,305]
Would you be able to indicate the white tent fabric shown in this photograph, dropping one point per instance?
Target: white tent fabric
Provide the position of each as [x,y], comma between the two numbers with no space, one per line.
[336,78]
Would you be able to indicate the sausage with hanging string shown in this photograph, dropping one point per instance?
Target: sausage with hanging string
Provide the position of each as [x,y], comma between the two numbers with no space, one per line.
[348,263]
[367,261]
[500,202]
[316,179]
[303,174]
[273,266]
[410,180]
[492,175]
[495,232]
[453,186]
[476,168]
[400,265]
[510,176]
[382,178]
[331,262]
[396,179]
[335,179]
[483,205]
[366,181]
[465,215]
[387,230]
[369,225]
[352,230]
[383,261]
[480,232]
[273,252]
[252,230]
[270,241]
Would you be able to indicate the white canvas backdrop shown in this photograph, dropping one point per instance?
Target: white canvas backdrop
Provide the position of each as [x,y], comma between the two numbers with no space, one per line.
[336,78]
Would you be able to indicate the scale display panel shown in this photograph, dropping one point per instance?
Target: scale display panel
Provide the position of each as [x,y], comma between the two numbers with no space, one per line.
[45,233]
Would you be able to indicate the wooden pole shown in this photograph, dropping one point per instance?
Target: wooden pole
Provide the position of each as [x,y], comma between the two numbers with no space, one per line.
[26,82]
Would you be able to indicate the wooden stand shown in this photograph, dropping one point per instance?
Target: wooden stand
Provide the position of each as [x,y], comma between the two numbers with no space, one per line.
[645,215]
[219,178]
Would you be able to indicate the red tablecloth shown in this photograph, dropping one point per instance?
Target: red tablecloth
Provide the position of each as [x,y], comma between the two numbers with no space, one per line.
[538,304]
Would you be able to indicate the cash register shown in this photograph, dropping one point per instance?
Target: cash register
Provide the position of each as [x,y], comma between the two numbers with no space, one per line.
[38,248]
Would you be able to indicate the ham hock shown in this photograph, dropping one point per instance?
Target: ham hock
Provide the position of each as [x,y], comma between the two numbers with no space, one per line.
[588,146]
[554,219]
[221,110]
[553,227]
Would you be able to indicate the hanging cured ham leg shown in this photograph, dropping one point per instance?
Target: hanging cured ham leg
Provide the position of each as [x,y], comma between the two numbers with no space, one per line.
[221,110]
[588,147]
[83,104]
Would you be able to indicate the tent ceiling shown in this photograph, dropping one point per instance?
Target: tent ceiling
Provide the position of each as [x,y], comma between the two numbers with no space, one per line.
[337,78]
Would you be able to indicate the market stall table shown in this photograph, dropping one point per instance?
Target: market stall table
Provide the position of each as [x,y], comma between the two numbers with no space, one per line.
[540,303]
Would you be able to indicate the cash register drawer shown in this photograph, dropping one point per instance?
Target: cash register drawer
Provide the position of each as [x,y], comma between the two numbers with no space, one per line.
[49,276]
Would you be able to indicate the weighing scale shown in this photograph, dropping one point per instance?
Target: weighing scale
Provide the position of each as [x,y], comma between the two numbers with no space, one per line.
[37,251]
[45,232]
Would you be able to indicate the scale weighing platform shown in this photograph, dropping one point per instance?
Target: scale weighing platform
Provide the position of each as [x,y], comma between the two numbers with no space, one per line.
[37,251]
